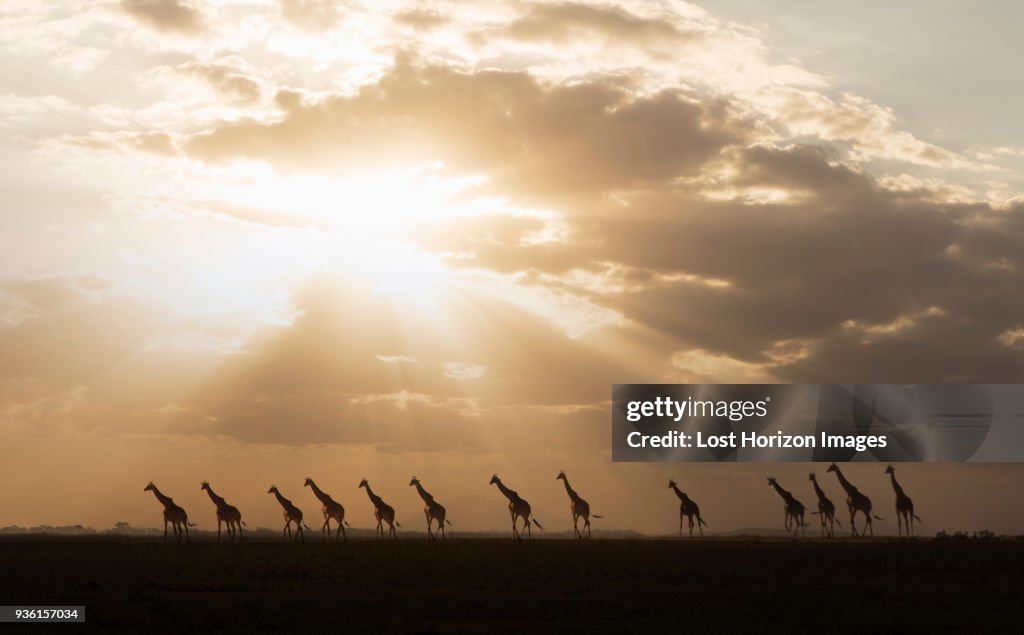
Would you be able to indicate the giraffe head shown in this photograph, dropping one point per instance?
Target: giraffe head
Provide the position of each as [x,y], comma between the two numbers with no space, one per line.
[273,488]
[414,481]
[495,479]
[833,468]
[771,481]
[363,483]
[204,485]
[149,487]
[890,470]
[308,482]
[811,476]
[561,475]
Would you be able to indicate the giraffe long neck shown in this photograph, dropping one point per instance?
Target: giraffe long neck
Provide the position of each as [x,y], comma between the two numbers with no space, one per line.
[679,493]
[424,494]
[818,490]
[509,494]
[318,492]
[847,485]
[166,501]
[217,500]
[373,497]
[783,493]
[569,490]
[281,499]
[895,486]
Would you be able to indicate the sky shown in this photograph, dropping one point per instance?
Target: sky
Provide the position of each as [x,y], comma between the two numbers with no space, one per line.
[253,241]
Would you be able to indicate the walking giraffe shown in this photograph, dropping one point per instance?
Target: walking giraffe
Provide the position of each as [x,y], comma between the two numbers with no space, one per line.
[578,507]
[518,508]
[689,509]
[794,508]
[432,510]
[904,506]
[292,514]
[173,514]
[332,509]
[826,510]
[382,511]
[856,502]
[227,514]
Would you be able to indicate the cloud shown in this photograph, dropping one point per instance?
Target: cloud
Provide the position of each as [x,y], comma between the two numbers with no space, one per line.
[508,125]
[313,15]
[224,76]
[168,16]
[561,22]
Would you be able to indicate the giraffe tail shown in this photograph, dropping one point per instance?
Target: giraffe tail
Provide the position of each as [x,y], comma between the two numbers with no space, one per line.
[192,524]
[878,517]
[837,522]
[536,523]
[346,523]
[307,526]
[815,513]
[596,516]
[243,523]
[917,518]
[398,524]
[700,521]
[448,521]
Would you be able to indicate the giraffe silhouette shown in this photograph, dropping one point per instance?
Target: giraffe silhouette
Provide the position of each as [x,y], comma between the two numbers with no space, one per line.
[855,502]
[432,509]
[826,510]
[383,512]
[687,509]
[227,514]
[518,508]
[292,514]
[173,514]
[904,506]
[332,509]
[578,507]
[794,509]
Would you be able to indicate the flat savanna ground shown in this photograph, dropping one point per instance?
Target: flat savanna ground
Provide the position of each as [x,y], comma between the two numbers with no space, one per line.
[483,585]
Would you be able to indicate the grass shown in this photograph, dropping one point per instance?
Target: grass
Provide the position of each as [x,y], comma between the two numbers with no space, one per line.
[495,585]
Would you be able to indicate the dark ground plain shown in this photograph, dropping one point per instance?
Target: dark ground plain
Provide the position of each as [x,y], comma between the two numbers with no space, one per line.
[480,585]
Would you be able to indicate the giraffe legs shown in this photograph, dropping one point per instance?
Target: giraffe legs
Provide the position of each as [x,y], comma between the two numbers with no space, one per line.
[430,520]
[340,531]
[515,530]
[165,531]
[680,524]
